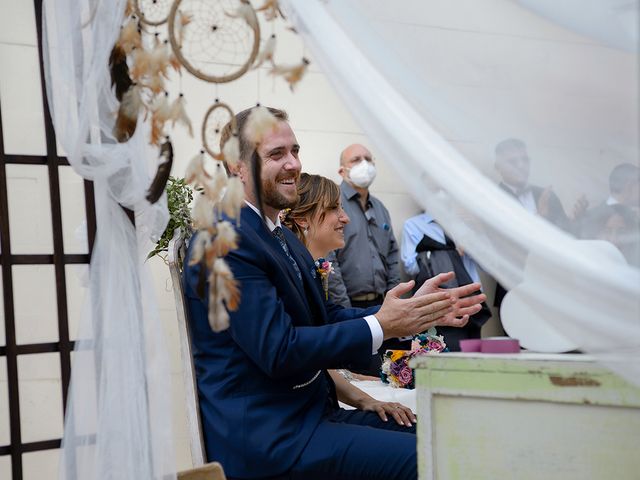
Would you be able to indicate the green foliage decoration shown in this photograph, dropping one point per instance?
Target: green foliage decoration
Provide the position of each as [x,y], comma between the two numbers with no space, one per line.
[179,197]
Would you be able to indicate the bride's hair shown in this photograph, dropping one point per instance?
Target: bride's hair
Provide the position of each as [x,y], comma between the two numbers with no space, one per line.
[317,195]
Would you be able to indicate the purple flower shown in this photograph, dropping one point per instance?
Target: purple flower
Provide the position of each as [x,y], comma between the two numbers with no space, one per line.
[396,368]
[405,376]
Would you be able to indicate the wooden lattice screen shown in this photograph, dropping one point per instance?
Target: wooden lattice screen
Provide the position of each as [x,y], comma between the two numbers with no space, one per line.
[12,350]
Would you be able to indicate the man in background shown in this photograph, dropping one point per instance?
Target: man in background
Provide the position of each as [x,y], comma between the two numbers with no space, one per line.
[617,219]
[368,265]
[624,187]
[514,165]
[427,251]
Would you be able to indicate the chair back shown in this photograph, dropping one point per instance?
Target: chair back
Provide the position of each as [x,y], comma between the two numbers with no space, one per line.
[210,471]
[177,252]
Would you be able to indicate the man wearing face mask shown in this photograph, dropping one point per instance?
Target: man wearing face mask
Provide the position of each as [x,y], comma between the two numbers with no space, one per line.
[368,265]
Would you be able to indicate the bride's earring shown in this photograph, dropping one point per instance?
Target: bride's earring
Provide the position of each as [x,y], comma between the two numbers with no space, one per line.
[305,231]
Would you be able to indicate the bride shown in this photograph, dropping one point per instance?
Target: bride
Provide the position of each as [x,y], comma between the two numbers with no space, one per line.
[318,220]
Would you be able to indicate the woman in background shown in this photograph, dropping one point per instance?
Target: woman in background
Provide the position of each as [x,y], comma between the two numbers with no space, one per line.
[318,221]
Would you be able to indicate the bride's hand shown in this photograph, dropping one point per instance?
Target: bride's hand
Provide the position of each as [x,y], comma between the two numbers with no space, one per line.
[403,415]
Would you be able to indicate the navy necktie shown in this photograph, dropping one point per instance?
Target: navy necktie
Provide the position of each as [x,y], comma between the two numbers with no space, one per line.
[279,234]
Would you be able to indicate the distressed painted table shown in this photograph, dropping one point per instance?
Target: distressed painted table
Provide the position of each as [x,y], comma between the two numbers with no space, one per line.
[525,416]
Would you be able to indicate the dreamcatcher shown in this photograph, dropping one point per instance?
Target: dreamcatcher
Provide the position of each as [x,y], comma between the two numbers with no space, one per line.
[217,42]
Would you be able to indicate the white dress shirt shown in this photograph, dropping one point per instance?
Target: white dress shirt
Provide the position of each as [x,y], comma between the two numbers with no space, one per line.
[525,197]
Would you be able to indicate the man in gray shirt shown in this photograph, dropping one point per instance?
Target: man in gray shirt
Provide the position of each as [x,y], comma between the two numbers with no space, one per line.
[368,265]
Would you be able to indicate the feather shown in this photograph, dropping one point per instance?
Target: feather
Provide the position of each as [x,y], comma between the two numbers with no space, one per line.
[141,63]
[159,116]
[183,21]
[226,239]
[129,9]
[256,175]
[157,132]
[231,151]
[130,36]
[267,52]
[233,198]
[259,123]
[178,113]
[245,11]
[227,286]
[119,71]
[195,172]
[271,10]
[216,184]
[292,74]
[160,59]
[202,212]
[218,315]
[160,106]
[162,175]
[201,242]
[175,63]
[128,112]
[155,83]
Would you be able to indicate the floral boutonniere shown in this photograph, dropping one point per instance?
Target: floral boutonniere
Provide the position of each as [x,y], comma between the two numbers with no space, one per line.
[324,269]
[283,214]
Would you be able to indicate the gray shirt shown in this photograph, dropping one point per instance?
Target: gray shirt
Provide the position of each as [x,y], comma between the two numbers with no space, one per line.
[368,263]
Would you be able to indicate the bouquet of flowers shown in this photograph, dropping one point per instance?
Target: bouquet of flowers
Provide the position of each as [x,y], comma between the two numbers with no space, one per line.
[395,366]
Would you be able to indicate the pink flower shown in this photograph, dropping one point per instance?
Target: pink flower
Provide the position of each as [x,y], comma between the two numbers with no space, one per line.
[405,375]
[435,346]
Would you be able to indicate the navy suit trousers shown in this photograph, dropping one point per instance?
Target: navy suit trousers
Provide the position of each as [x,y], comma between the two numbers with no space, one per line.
[352,444]
[356,445]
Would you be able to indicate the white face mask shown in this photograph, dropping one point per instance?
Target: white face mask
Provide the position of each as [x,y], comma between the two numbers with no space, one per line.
[363,174]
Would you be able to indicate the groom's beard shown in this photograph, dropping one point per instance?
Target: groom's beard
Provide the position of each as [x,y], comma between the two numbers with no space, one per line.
[274,199]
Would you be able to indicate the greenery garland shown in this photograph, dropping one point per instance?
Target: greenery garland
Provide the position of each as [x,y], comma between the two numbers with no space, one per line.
[179,198]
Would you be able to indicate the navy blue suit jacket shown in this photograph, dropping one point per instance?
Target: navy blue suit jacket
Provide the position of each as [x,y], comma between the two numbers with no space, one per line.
[254,421]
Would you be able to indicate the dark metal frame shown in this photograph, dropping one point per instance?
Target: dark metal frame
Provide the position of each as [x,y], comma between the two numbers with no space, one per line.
[58,259]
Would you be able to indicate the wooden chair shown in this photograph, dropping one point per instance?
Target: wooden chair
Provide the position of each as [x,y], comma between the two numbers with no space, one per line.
[210,471]
[201,471]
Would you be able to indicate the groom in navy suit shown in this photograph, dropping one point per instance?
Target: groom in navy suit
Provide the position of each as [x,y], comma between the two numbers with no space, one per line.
[269,408]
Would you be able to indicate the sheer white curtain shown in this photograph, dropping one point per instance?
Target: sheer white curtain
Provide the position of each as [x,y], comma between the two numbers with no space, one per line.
[438,85]
[118,420]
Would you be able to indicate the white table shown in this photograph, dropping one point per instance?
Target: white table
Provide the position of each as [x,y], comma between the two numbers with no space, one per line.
[525,416]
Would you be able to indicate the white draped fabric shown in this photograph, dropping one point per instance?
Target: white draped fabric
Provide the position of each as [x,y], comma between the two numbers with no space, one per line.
[118,419]
[437,85]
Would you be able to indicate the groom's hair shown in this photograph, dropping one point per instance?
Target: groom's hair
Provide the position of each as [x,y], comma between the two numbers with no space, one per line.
[246,147]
